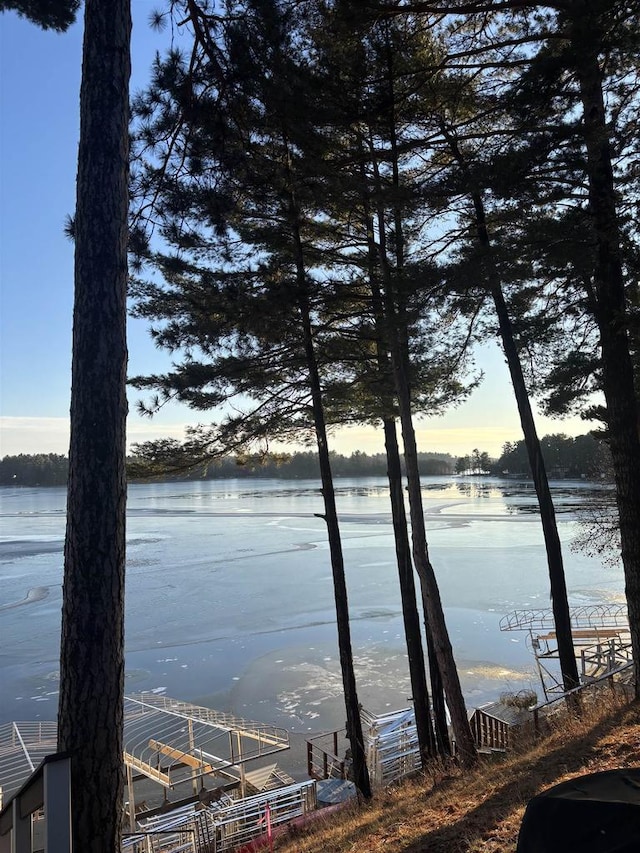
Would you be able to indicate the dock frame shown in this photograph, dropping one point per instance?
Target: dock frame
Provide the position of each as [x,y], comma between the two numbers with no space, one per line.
[601,641]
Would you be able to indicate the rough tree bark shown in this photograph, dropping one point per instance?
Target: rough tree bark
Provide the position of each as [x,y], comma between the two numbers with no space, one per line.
[610,309]
[415,653]
[427,741]
[396,337]
[437,683]
[440,636]
[352,705]
[92,647]
[553,547]
[559,600]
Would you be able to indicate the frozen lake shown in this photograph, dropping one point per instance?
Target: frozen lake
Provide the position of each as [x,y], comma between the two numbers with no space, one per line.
[230,600]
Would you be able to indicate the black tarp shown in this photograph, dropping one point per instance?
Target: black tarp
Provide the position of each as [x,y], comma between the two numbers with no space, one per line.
[598,813]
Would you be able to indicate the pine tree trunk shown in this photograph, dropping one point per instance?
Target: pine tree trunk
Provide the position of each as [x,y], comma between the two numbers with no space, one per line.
[352,705]
[559,600]
[90,714]
[354,723]
[437,685]
[415,653]
[396,338]
[557,581]
[610,312]
[431,595]
[437,691]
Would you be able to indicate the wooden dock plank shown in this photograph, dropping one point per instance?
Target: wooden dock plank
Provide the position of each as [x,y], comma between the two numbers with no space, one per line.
[146,769]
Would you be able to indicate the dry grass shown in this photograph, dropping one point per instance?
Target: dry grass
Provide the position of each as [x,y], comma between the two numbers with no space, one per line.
[479,812]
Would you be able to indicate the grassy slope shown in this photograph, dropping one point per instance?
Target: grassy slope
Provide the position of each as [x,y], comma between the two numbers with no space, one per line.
[479,812]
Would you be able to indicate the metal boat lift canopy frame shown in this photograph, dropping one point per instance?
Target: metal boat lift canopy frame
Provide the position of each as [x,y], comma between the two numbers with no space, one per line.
[598,640]
[23,746]
[172,742]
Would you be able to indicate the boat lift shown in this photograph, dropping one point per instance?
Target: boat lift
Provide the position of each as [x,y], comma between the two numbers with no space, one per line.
[601,641]
[173,743]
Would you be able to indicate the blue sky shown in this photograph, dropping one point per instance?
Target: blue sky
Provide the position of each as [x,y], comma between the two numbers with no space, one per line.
[39,94]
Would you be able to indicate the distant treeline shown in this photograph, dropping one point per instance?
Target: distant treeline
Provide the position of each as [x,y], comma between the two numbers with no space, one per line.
[303,466]
[579,457]
[582,456]
[50,469]
[39,469]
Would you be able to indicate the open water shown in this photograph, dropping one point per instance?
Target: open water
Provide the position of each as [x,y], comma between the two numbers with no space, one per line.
[230,599]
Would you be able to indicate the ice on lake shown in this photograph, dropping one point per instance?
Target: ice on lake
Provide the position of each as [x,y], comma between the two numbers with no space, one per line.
[230,599]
